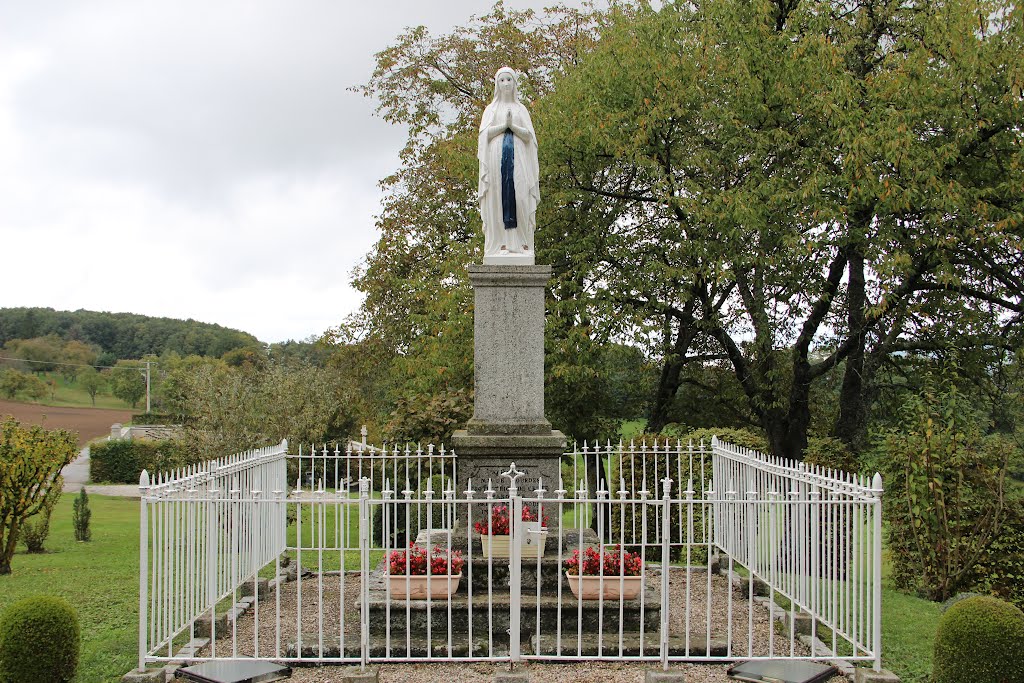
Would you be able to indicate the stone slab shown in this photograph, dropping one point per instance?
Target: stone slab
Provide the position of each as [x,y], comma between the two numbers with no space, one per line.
[145,676]
[354,674]
[511,677]
[508,349]
[862,675]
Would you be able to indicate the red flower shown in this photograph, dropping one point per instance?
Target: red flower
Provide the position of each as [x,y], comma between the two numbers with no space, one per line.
[442,561]
[614,562]
[499,523]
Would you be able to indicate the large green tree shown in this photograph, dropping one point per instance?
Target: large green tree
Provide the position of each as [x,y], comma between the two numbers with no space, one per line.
[796,187]
[415,327]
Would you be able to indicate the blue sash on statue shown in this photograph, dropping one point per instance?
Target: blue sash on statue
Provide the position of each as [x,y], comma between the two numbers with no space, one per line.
[508,185]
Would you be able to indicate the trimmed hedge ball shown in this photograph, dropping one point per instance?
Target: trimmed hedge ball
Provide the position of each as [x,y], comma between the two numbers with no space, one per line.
[39,641]
[980,640]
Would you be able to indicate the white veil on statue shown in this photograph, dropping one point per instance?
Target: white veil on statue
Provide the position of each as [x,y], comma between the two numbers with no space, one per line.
[509,213]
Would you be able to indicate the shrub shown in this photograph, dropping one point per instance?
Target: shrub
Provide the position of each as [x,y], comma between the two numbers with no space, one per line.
[31,459]
[122,461]
[944,493]
[81,515]
[39,641]
[1000,569]
[830,452]
[979,640]
[36,528]
[400,531]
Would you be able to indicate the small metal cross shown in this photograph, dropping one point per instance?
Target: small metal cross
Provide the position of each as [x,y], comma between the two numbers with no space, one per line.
[512,475]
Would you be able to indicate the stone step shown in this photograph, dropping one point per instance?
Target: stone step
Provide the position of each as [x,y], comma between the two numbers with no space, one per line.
[494,615]
[416,645]
[608,645]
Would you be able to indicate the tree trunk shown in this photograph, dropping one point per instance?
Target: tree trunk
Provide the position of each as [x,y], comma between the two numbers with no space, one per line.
[851,422]
[671,371]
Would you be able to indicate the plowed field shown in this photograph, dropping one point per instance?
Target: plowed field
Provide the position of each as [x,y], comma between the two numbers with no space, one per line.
[88,422]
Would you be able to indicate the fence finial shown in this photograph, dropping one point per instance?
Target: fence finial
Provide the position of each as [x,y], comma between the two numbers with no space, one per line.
[876,485]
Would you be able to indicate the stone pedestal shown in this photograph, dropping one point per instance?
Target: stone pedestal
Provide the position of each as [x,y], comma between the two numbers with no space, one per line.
[508,423]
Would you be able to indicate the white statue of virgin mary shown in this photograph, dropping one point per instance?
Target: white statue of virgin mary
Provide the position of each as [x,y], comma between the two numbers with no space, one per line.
[509,189]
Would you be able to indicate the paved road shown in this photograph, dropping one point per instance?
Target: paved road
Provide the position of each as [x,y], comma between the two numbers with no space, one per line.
[77,474]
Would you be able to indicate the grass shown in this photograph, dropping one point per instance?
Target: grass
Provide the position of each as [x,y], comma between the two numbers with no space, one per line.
[908,631]
[68,395]
[100,579]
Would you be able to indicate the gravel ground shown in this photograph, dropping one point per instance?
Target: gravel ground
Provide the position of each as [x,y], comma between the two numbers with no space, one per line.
[550,672]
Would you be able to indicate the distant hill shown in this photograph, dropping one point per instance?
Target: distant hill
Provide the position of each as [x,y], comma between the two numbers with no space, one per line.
[123,335]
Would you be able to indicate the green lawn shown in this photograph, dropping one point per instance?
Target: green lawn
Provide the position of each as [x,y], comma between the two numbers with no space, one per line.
[72,396]
[908,631]
[100,579]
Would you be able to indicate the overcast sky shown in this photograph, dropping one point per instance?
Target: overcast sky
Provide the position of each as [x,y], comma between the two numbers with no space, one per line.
[195,159]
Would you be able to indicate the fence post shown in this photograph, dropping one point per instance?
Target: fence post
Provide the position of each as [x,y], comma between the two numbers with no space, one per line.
[364,572]
[515,566]
[143,568]
[876,491]
[666,535]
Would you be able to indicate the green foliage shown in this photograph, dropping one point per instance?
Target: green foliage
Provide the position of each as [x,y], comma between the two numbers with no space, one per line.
[695,204]
[36,528]
[12,381]
[979,640]
[127,381]
[31,459]
[1000,568]
[944,492]
[121,461]
[830,452]
[91,381]
[39,641]
[227,410]
[429,419]
[81,516]
[121,335]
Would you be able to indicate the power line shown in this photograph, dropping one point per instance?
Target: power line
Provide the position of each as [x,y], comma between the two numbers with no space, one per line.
[82,365]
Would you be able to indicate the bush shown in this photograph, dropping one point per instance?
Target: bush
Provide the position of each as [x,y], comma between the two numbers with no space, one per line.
[979,640]
[121,461]
[36,528]
[944,493]
[1000,569]
[81,515]
[39,641]
[827,451]
[31,459]
[400,532]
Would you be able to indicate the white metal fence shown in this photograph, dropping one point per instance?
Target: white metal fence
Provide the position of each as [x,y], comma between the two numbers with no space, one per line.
[742,557]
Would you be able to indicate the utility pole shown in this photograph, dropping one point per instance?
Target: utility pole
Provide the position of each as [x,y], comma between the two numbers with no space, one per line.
[147,388]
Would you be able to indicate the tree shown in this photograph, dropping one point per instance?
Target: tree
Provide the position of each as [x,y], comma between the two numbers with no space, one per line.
[127,381]
[31,459]
[763,182]
[91,381]
[35,387]
[12,381]
[76,354]
[228,409]
[415,327]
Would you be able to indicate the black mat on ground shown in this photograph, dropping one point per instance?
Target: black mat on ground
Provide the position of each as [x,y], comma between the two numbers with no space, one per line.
[780,671]
[234,672]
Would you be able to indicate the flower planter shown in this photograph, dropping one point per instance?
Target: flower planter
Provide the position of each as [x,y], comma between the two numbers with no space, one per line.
[420,587]
[589,587]
[500,545]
